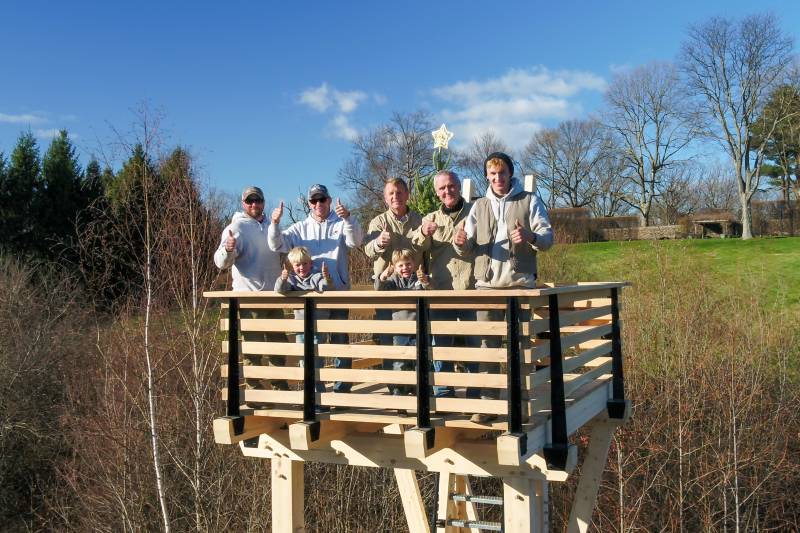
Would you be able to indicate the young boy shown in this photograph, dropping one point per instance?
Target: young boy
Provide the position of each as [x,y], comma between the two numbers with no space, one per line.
[303,278]
[401,275]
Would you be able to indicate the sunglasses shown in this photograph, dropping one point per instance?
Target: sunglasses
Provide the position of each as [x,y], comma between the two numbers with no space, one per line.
[315,201]
[250,200]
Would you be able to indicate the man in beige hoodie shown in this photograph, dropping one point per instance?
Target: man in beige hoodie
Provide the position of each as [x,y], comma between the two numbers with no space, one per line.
[503,231]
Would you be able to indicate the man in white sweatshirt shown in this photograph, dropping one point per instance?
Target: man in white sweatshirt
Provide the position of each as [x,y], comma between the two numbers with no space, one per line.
[254,267]
[328,235]
[503,232]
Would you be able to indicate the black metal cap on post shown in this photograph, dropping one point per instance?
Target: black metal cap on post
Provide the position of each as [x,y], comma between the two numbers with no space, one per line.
[309,369]
[617,406]
[557,450]
[423,341]
[514,373]
[232,408]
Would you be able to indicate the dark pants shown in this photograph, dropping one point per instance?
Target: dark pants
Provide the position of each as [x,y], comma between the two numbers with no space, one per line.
[341,338]
[259,360]
[446,341]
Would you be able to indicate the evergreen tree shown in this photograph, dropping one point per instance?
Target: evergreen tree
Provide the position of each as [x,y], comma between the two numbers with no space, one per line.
[18,188]
[59,198]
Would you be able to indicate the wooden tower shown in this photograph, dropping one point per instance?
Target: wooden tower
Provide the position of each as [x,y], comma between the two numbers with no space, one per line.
[560,368]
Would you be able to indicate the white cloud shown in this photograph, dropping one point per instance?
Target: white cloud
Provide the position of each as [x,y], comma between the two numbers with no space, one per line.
[517,104]
[323,97]
[51,133]
[27,118]
[342,128]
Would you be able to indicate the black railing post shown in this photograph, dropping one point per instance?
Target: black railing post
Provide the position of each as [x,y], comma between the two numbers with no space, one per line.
[557,450]
[514,372]
[423,341]
[310,368]
[232,409]
[616,405]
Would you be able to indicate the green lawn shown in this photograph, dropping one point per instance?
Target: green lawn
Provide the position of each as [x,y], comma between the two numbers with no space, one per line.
[774,262]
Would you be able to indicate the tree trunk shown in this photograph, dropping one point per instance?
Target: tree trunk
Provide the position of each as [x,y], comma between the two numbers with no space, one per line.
[747,218]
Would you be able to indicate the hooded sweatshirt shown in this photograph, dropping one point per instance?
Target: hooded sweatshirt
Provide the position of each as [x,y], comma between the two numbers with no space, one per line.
[500,264]
[327,241]
[254,266]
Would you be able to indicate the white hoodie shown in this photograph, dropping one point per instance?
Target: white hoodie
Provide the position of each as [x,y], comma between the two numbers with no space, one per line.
[255,266]
[503,274]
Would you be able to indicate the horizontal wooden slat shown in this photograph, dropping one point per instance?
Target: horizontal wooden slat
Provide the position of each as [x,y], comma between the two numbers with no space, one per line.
[355,351]
[568,318]
[394,377]
[389,327]
[376,401]
[571,363]
[571,384]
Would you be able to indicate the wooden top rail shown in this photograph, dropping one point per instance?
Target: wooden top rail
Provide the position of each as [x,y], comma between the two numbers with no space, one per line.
[546,351]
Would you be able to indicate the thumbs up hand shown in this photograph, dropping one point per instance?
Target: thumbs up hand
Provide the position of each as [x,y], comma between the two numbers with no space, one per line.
[385,237]
[230,242]
[388,271]
[460,237]
[428,228]
[277,213]
[423,277]
[341,210]
[521,234]
[325,273]
[285,273]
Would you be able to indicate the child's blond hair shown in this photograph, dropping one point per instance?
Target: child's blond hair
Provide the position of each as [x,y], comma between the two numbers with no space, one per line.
[405,253]
[298,254]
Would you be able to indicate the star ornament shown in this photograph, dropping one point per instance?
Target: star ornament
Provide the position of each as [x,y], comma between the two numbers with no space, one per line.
[441,137]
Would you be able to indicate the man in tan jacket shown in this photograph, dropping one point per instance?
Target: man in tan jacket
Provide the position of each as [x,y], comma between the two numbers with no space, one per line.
[448,269]
[387,232]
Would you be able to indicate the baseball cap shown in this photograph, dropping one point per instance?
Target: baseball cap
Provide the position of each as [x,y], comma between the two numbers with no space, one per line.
[252,191]
[318,190]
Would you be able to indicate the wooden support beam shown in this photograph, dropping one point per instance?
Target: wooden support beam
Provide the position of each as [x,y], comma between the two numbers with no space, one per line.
[413,505]
[287,496]
[300,434]
[415,443]
[224,431]
[525,506]
[591,475]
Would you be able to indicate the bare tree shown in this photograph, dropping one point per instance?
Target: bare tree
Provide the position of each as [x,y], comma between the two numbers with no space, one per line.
[648,114]
[402,148]
[470,160]
[716,188]
[610,183]
[565,160]
[677,198]
[732,67]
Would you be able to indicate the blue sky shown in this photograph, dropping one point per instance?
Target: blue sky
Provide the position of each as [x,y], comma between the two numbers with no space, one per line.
[270,93]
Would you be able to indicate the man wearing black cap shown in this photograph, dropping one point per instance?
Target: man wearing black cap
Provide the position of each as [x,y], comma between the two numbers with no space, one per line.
[503,232]
[328,235]
[254,267]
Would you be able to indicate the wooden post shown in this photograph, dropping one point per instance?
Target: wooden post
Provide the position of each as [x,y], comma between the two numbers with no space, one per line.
[287,496]
[413,505]
[530,183]
[591,474]
[525,505]
[468,189]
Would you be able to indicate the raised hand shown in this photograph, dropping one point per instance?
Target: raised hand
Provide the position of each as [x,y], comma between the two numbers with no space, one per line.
[388,271]
[460,237]
[285,273]
[325,273]
[423,277]
[277,213]
[341,210]
[521,234]
[385,237]
[230,242]
[428,227]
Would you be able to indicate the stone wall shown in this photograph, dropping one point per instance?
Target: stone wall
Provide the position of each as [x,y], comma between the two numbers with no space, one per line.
[652,233]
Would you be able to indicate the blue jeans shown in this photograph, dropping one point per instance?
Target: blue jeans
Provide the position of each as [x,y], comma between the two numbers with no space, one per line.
[446,341]
[300,338]
[390,364]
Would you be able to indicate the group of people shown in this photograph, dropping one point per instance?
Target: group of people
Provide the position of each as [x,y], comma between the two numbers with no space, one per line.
[487,244]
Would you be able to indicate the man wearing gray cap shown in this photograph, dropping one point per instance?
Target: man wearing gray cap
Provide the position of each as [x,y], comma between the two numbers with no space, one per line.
[328,235]
[254,267]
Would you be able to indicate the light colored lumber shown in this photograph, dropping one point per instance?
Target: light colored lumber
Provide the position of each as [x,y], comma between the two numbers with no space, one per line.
[389,327]
[300,434]
[413,505]
[253,426]
[591,475]
[523,506]
[574,381]
[287,496]
[542,376]
[415,444]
